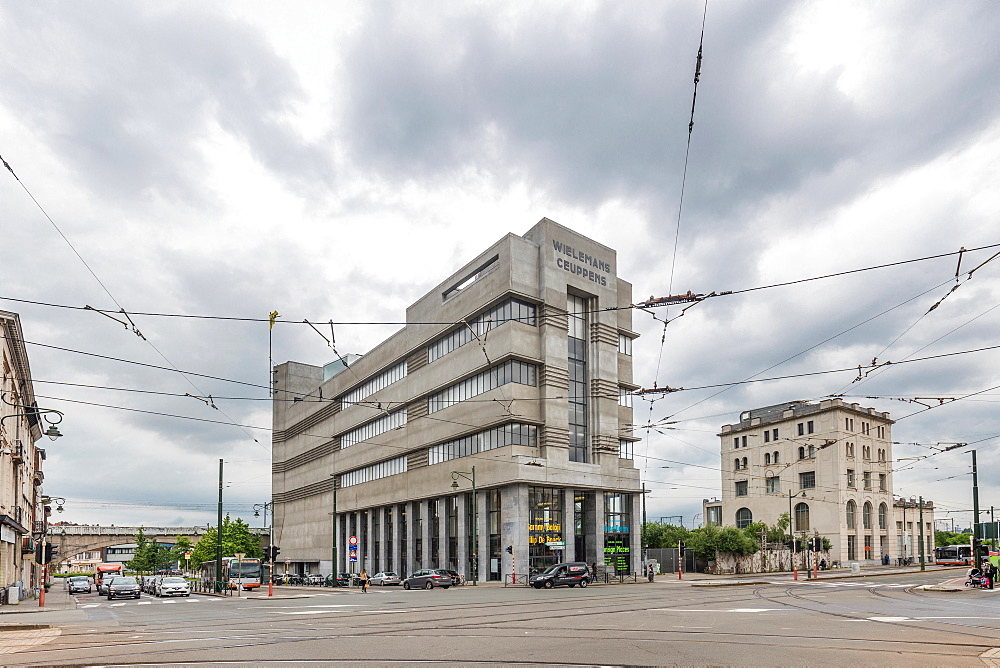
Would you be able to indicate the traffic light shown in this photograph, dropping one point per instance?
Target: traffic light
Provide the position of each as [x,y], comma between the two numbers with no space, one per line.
[509,549]
[680,547]
[46,556]
[790,544]
[50,551]
[272,553]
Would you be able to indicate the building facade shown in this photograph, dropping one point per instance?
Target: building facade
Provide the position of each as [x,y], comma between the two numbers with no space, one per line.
[22,512]
[829,466]
[514,372]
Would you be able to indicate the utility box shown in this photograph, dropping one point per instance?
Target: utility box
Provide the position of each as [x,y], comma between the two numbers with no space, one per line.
[855,567]
[13,595]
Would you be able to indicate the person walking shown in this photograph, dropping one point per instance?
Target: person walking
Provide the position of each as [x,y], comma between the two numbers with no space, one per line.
[363,577]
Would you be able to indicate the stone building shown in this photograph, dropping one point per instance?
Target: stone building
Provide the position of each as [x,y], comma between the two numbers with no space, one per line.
[516,371]
[827,464]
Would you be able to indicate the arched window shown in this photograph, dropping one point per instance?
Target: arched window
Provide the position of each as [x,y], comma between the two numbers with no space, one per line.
[881,454]
[745,463]
[767,457]
[776,458]
[850,449]
[743,518]
[736,464]
[866,515]
[883,520]
[802,517]
[812,451]
[866,452]
[802,452]
[852,509]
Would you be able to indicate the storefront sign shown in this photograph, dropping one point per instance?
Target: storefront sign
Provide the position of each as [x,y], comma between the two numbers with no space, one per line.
[7,534]
[582,264]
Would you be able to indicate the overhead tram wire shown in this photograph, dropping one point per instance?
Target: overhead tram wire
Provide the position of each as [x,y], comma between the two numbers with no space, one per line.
[725,293]
[121,309]
[680,209]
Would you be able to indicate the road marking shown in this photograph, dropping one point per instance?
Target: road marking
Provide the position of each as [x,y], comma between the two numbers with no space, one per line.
[91,605]
[718,610]
[145,603]
[117,605]
[890,619]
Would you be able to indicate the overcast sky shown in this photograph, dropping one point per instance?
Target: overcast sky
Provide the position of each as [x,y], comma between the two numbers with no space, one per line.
[337,160]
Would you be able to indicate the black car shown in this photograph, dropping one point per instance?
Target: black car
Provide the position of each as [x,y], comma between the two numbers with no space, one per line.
[571,573]
[126,587]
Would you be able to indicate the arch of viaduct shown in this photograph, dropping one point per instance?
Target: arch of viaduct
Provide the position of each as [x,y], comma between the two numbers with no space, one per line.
[72,540]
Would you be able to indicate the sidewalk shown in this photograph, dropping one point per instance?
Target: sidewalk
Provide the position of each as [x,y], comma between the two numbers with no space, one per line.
[57,598]
[947,572]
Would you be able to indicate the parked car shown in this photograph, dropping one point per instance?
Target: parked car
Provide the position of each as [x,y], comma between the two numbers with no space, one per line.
[314,579]
[385,578]
[428,578]
[456,578]
[148,584]
[341,580]
[571,573]
[124,587]
[79,583]
[105,582]
[173,586]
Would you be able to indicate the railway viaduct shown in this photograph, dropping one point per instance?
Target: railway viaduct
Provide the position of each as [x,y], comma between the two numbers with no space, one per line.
[71,540]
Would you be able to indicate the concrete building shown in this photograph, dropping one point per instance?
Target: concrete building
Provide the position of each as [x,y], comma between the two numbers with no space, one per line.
[22,513]
[516,371]
[829,465]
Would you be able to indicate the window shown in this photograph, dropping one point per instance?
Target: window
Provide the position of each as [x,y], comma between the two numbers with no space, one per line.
[773,484]
[624,449]
[736,464]
[852,547]
[744,518]
[743,441]
[498,437]
[767,436]
[866,428]
[812,451]
[880,431]
[744,462]
[384,379]
[899,527]
[624,344]
[373,428]
[867,478]
[866,515]
[624,397]
[579,393]
[742,487]
[767,458]
[776,459]
[508,372]
[802,429]
[802,452]
[736,443]
[807,480]
[849,424]
[881,455]
[883,520]
[802,517]
[882,482]
[809,427]
[850,478]
[849,449]
[774,434]
[374,472]
[509,309]
[852,510]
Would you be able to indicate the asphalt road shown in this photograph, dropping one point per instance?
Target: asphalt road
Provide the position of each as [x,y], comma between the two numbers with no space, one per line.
[886,621]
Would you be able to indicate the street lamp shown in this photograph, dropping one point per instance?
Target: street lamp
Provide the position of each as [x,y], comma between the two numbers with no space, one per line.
[52,432]
[471,477]
[257,507]
[47,508]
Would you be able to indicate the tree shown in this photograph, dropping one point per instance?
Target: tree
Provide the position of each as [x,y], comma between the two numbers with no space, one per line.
[236,537]
[658,535]
[182,545]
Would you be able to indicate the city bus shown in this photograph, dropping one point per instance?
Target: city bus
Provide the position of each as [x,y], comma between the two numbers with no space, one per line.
[953,555]
[104,570]
[236,573]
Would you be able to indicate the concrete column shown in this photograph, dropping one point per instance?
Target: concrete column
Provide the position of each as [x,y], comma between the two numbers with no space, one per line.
[425,534]
[367,559]
[442,506]
[514,529]
[636,534]
[396,541]
[411,545]
[483,548]
[569,526]
[597,527]
[464,530]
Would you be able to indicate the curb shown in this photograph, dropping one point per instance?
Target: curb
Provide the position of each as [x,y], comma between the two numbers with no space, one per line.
[23,627]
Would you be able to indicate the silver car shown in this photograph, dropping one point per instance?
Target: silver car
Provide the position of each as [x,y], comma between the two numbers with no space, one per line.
[385,578]
[428,578]
[79,583]
[172,586]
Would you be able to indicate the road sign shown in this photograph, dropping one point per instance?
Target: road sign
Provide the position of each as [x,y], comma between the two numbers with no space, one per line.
[353,548]
[354,556]
[187,555]
[558,544]
[353,540]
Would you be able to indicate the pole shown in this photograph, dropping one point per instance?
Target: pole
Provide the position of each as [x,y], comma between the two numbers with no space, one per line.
[218,536]
[642,534]
[41,590]
[333,541]
[475,531]
[922,555]
[270,546]
[791,534]
[975,509]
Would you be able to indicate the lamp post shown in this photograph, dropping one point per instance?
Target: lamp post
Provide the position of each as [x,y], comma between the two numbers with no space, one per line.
[791,533]
[471,477]
[257,507]
[34,411]
[47,508]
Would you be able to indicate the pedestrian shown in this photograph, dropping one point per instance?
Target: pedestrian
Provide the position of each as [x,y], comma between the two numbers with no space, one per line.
[363,577]
[593,568]
[990,571]
[822,565]
[649,572]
